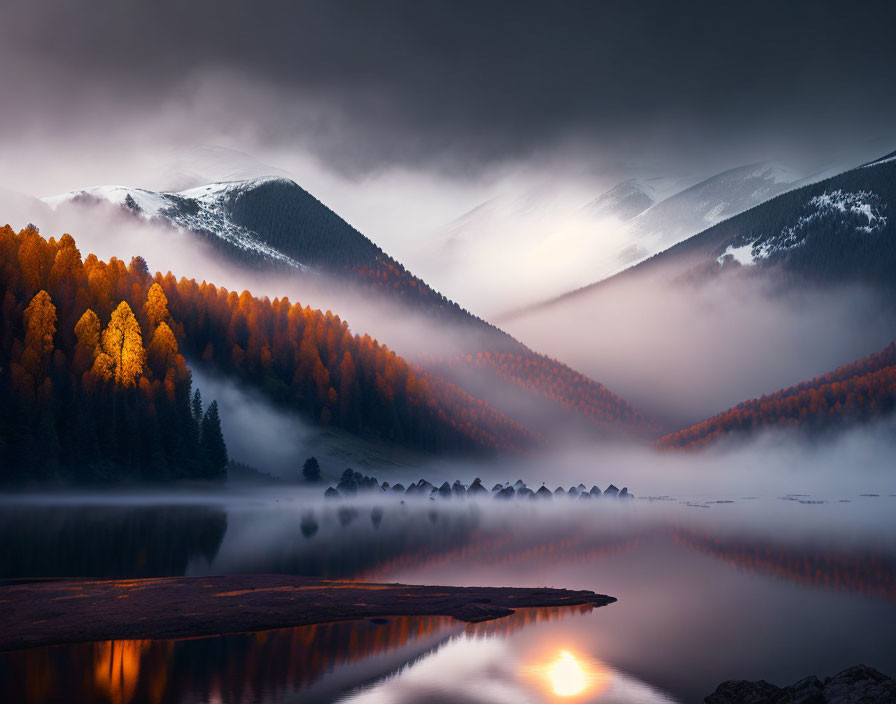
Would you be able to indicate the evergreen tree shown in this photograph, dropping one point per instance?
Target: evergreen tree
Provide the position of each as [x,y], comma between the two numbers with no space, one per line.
[214,451]
[311,470]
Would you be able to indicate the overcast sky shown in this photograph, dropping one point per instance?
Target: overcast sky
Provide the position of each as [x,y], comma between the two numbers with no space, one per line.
[402,115]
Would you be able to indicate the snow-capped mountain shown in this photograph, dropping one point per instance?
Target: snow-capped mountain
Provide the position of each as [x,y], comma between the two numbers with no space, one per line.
[840,229]
[563,244]
[259,222]
[694,209]
[624,201]
[205,210]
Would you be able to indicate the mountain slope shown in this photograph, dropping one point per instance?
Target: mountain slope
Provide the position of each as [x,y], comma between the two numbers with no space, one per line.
[273,224]
[707,203]
[840,229]
[860,391]
[299,358]
[624,201]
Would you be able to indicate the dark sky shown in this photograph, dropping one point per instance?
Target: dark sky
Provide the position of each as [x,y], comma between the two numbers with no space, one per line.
[457,86]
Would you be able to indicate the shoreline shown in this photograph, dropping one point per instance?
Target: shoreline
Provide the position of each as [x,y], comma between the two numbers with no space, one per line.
[56,612]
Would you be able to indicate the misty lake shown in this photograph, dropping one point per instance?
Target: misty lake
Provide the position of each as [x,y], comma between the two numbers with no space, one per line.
[710,588]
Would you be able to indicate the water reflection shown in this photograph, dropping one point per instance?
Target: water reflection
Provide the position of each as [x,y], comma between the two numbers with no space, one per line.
[107,541]
[318,662]
[818,581]
[471,670]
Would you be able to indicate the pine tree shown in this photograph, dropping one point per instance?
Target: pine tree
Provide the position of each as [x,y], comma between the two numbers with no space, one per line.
[214,450]
[311,470]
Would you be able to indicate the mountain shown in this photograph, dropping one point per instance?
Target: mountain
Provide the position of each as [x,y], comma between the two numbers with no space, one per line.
[861,391]
[840,229]
[94,382]
[693,209]
[273,224]
[562,240]
[624,201]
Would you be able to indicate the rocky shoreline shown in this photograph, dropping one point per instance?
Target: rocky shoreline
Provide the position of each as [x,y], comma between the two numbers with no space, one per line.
[857,685]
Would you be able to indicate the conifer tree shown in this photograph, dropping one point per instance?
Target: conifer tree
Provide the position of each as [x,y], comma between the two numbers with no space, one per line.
[214,451]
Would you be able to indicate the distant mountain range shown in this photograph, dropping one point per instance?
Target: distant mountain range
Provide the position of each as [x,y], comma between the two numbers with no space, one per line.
[837,230]
[559,240]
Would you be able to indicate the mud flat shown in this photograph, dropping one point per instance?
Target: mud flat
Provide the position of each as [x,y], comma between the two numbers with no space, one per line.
[55,611]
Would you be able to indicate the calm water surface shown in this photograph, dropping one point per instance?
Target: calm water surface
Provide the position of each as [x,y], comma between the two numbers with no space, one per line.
[761,588]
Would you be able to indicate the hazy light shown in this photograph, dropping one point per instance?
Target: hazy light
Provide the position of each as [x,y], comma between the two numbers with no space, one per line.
[567,675]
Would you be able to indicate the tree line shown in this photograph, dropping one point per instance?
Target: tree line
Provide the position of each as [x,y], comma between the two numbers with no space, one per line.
[862,390]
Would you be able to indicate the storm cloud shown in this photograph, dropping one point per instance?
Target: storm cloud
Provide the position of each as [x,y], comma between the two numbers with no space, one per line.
[456,86]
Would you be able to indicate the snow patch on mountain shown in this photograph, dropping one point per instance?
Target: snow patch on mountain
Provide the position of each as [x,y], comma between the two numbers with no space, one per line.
[862,210]
[203,210]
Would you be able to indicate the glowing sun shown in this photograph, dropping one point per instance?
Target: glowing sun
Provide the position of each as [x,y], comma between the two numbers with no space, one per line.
[566,675]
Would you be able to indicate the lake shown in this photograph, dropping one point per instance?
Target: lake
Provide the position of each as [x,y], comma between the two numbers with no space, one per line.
[710,588]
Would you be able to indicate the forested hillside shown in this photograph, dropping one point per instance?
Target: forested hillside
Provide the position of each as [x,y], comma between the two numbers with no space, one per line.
[93,381]
[860,391]
[558,383]
[275,224]
[92,384]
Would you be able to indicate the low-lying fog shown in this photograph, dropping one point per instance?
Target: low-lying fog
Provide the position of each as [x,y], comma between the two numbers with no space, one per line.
[682,352]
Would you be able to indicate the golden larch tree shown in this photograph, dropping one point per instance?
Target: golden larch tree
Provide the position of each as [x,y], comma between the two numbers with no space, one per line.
[40,327]
[155,310]
[122,343]
[162,352]
[87,330]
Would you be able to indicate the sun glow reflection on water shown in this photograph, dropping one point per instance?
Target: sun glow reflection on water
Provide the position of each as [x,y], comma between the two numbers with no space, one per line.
[567,675]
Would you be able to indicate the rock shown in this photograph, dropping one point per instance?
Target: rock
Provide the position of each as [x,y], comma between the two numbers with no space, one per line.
[332,493]
[544,493]
[806,691]
[445,490]
[595,492]
[506,493]
[611,491]
[744,692]
[497,487]
[384,486]
[857,685]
